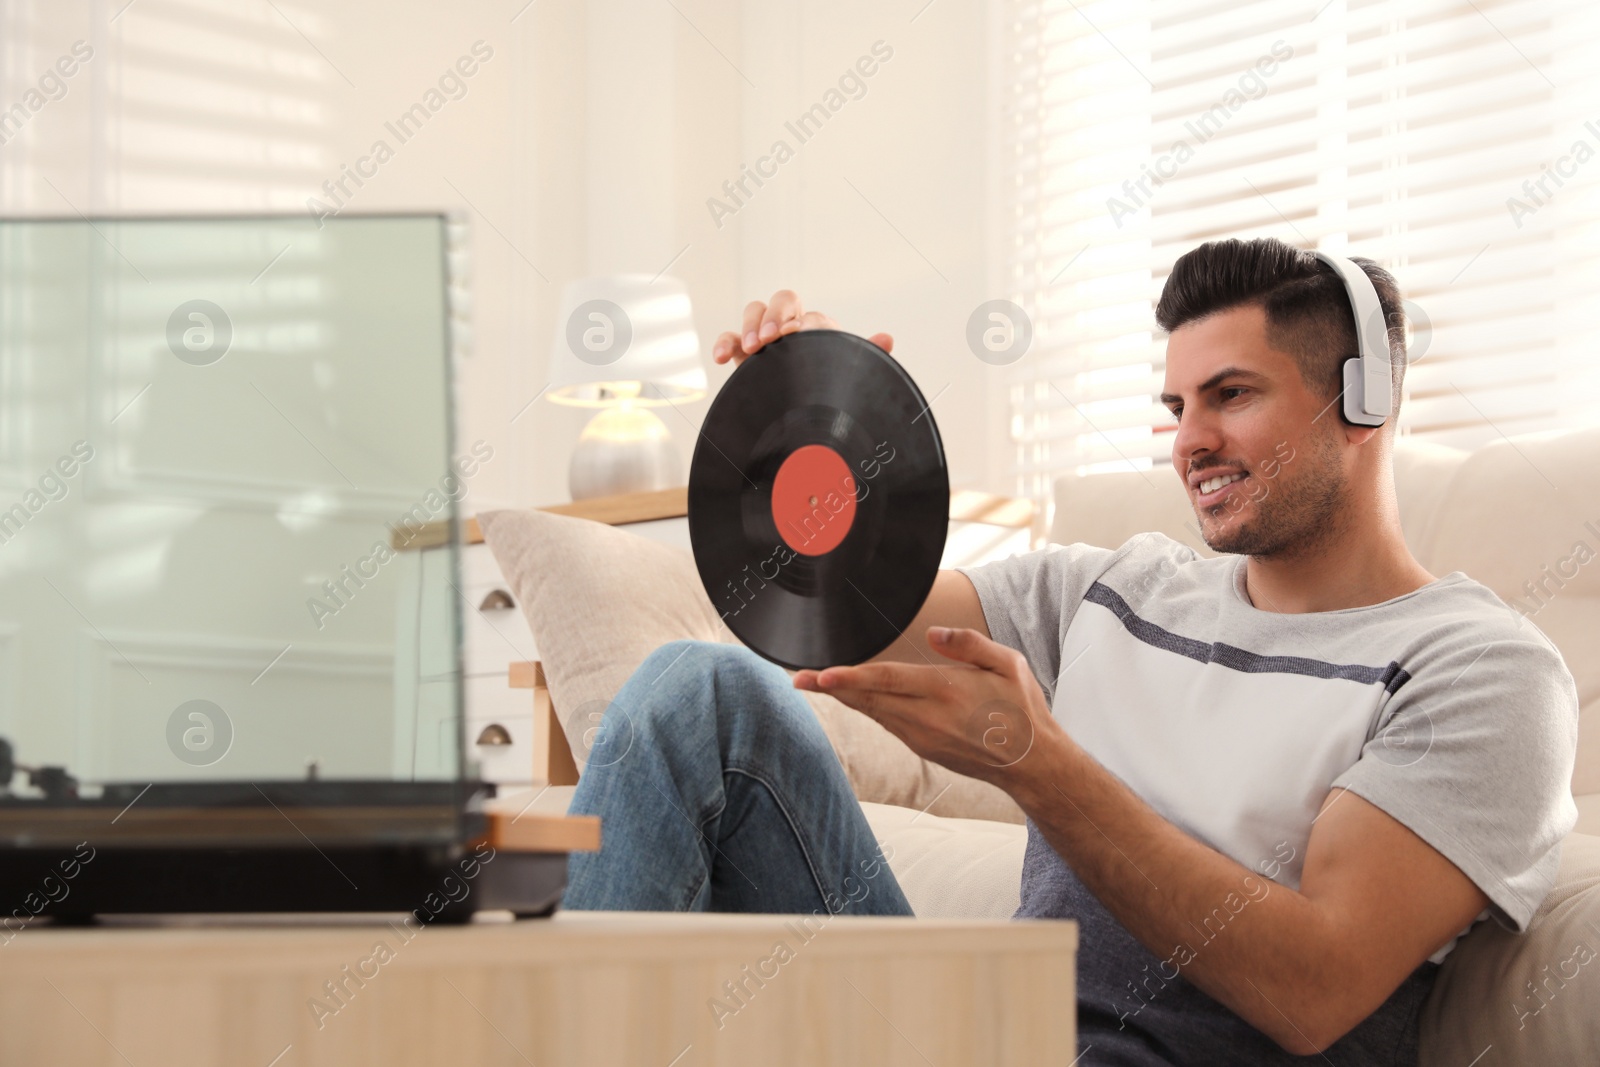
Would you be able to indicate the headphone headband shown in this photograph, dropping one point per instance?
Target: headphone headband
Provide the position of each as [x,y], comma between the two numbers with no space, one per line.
[1368,384]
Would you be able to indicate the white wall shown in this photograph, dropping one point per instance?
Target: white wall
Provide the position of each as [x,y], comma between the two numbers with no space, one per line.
[589,143]
[880,217]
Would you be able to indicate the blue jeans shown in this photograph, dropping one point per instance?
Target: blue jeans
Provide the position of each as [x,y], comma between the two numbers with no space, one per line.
[718,791]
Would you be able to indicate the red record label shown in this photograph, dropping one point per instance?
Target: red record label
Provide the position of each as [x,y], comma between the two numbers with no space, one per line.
[813,500]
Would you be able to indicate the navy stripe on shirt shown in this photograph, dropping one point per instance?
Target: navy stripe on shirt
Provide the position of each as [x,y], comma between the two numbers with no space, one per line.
[1392,676]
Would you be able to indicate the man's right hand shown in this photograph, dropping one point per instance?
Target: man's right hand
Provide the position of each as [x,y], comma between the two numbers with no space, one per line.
[779,317]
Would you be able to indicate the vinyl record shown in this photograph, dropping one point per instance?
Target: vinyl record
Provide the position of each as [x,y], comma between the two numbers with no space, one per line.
[819,500]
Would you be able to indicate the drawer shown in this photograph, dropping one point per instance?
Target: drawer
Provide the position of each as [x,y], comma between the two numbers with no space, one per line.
[510,763]
[478,565]
[490,697]
[508,718]
[494,631]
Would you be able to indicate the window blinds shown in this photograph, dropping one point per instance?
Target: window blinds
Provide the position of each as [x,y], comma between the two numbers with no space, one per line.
[1457,143]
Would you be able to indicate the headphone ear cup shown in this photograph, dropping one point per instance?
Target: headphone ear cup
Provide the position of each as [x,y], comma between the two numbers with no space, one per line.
[1352,401]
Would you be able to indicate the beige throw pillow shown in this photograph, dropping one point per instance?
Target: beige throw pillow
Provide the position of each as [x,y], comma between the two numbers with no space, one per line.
[600,599]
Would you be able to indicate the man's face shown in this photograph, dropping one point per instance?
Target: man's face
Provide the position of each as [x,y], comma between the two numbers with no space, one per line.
[1259,453]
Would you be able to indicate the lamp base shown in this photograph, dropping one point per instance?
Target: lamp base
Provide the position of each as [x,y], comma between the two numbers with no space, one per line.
[623,450]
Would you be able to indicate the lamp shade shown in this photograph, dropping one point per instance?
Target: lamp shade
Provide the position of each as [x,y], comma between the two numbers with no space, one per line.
[626,338]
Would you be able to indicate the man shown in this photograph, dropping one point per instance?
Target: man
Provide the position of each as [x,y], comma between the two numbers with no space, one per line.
[1273,787]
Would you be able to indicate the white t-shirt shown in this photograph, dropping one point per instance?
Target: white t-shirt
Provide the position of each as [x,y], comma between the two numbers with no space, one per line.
[1443,707]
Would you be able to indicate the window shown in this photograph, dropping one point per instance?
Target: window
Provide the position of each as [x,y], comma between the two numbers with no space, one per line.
[1456,143]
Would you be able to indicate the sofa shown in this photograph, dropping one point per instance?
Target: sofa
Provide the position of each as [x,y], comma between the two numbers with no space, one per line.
[1521,515]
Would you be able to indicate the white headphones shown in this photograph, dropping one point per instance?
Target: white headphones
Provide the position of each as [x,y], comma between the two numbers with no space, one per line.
[1368,386]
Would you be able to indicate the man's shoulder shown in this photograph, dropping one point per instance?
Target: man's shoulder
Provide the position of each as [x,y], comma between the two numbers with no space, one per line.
[1456,616]
[1457,608]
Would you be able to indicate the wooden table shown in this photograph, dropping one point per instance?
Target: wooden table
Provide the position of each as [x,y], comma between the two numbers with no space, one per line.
[580,989]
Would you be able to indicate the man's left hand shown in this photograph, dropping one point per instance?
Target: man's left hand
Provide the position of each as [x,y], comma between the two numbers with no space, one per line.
[981,715]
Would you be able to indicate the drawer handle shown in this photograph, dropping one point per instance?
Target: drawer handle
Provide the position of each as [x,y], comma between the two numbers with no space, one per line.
[494,735]
[497,600]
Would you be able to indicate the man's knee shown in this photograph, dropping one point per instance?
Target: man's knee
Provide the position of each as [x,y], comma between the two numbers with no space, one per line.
[681,678]
[684,663]
[725,680]
[678,674]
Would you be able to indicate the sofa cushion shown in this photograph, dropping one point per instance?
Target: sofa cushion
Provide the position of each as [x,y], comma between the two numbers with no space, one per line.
[599,600]
[1504,999]
[951,868]
[1423,474]
[1522,516]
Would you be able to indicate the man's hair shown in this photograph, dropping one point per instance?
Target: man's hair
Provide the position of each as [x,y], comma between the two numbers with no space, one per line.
[1308,311]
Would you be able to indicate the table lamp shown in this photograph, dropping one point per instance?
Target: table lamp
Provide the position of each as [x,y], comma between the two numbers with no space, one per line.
[625,344]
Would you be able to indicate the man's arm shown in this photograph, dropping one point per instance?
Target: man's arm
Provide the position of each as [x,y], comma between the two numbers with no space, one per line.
[1303,967]
[953,603]
[1375,900]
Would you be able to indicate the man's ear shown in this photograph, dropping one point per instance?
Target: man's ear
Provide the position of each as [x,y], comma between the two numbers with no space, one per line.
[1360,435]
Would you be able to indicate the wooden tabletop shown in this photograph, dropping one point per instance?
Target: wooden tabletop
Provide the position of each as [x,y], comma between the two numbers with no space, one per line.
[594,990]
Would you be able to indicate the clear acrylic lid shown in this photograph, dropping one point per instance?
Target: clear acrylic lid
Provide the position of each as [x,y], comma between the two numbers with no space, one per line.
[224,444]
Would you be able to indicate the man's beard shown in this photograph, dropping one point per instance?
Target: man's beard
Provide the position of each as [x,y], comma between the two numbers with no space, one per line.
[1294,516]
